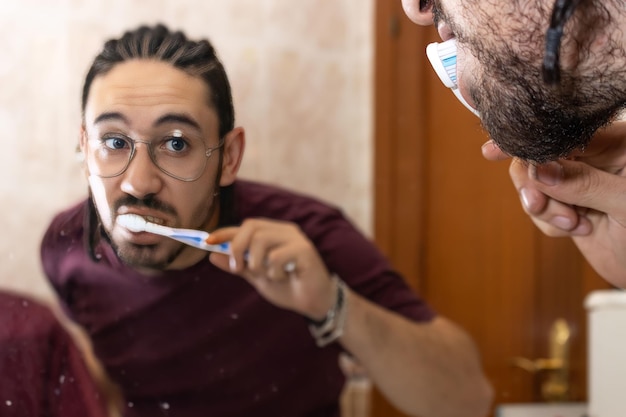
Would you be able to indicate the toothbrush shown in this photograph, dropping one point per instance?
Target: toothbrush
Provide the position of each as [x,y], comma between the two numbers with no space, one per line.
[195,238]
[442,57]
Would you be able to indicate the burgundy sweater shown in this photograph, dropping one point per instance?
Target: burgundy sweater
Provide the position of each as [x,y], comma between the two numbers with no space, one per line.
[42,372]
[202,342]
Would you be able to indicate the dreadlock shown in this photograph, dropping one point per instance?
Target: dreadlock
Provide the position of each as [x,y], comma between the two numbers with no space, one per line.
[562,11]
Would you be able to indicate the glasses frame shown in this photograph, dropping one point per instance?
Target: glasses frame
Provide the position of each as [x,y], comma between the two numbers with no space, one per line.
[208,151]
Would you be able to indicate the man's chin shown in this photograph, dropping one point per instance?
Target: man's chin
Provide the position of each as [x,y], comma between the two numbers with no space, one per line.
[142,257]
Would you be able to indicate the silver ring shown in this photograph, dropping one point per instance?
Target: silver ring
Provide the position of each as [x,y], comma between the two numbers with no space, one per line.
[290,267]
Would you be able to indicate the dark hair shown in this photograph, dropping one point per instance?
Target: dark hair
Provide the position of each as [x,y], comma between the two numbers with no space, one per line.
[561,13]
[197,58]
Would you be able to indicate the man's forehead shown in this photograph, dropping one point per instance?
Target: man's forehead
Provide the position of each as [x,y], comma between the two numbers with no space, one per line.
[143,84]
[145,78]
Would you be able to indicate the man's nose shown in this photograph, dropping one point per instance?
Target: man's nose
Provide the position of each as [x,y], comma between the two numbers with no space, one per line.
[142,177]
[419,11]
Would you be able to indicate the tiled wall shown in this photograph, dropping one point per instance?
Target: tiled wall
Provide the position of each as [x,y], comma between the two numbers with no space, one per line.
[301,72]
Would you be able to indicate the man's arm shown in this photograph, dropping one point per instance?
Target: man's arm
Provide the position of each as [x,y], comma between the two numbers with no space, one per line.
[427,369]
[424,369]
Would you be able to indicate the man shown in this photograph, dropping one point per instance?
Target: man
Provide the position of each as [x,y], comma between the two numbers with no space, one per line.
[545,76]
[180,331]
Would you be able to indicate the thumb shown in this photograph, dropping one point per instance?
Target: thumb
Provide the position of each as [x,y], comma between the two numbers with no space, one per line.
[221,235]
[492,152]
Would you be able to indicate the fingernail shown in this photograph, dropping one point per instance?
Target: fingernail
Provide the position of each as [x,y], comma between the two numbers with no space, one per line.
[232,264]
[562,222]
[525,195]
[550,173]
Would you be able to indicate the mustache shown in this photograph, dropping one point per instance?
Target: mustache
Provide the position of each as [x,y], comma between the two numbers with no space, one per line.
[149,202]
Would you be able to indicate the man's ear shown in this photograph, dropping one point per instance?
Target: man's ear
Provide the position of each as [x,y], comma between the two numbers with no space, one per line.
[81,149]
[419,11]
[234,145]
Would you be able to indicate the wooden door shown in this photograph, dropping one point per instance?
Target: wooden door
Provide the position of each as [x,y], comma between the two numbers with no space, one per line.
[453,225]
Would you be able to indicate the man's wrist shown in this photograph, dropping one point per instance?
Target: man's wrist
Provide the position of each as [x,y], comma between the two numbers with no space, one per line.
[330,328]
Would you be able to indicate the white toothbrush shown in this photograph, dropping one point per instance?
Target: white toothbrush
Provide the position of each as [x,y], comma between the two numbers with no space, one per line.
[195,238]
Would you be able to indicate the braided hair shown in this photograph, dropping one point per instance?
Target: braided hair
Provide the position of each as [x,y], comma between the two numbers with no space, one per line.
[197,58]
[561,12]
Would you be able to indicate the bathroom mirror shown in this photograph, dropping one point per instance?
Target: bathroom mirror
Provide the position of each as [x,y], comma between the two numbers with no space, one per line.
[338,100]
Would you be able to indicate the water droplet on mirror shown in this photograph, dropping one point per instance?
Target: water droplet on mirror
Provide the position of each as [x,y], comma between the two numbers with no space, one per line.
[9,403]
[165,406]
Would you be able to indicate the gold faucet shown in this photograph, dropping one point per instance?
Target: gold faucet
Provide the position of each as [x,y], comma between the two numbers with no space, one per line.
[555,387]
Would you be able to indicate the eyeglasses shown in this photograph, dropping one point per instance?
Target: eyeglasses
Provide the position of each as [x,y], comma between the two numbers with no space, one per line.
[180,157]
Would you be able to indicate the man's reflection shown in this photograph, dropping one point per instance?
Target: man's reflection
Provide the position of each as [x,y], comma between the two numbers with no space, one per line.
[255,332]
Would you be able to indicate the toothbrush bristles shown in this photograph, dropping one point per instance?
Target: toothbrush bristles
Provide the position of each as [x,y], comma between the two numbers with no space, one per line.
[132,222]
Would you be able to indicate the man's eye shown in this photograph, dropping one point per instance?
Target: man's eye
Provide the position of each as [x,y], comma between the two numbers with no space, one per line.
[116,143]
[175,144]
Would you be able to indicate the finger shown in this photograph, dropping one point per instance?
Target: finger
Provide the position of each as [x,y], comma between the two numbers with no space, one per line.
[266,240]
[492,152]
[255,238]
[580,184]
[246,252]
[553,217]
[282,263]
[560,220]
[221,261]
[534,201]
[239,238]
[221,235]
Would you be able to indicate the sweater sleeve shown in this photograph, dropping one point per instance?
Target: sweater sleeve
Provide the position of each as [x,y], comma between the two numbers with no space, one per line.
[345,250]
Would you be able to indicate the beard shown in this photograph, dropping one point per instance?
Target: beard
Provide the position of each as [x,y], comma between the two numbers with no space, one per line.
[145,256]
[528,118]
[538,123]
[154,257]
[531,121]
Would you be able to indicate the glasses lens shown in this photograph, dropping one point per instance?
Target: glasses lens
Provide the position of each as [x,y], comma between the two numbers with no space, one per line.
[108,157]
[181,157]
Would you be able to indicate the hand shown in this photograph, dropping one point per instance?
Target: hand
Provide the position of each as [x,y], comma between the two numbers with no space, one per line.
[260,252]
[583,196]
